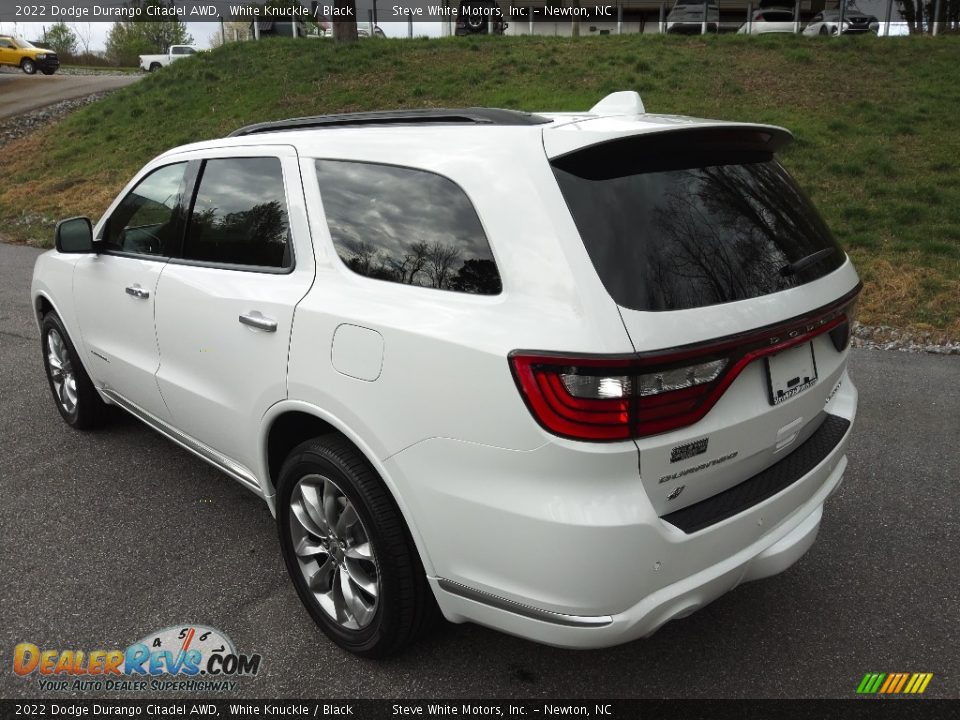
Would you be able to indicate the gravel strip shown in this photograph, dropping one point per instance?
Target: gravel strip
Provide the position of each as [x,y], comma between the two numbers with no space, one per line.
[22,125]
[6,69]
[89,71]
[885,337]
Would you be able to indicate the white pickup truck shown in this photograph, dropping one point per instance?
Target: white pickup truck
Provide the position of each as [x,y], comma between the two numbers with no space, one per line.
[150,63]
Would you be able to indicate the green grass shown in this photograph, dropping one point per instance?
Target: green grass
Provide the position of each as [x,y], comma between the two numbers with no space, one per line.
[873,122]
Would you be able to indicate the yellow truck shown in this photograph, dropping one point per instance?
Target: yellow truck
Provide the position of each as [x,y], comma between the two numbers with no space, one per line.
[29,58]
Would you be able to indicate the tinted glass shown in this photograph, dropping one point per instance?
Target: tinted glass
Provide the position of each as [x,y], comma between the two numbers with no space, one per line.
[239,215]
[406,226]
[145,221]
[673,224]
[769,16]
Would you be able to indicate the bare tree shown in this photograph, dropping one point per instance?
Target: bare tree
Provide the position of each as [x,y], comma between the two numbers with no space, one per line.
[412,262]
[440,261]
[84,33]
[345,20]
[575,21]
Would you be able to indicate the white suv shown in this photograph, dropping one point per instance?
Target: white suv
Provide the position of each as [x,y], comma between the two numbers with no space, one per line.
[566,375]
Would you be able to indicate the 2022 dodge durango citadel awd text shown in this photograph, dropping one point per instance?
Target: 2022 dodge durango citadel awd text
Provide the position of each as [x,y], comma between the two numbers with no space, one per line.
[566,375]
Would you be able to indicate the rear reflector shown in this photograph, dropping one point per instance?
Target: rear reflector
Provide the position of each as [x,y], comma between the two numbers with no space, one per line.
[604,398]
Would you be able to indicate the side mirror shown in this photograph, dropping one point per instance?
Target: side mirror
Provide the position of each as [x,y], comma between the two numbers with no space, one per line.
[74,235]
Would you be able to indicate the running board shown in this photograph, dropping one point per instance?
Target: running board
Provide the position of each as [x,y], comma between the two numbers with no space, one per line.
[220,461]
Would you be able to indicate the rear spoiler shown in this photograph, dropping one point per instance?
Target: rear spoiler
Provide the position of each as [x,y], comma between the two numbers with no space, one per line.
[661,134]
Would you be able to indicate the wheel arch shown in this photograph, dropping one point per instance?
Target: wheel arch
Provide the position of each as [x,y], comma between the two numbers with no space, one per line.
[290,422]
[42,305]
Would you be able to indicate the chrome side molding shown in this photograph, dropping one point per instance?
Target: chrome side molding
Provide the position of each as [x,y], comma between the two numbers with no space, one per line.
[220,461]
[500,603]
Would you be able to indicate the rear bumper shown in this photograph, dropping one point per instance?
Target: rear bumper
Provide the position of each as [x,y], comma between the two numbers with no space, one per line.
[772,554]
[561,544]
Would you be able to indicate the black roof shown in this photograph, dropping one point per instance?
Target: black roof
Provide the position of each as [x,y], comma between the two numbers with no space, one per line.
[441,116]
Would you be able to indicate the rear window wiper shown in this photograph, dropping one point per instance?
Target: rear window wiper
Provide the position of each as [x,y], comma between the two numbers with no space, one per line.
[805,262]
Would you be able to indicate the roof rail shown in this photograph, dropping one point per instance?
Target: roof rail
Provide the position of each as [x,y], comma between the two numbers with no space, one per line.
[441,116]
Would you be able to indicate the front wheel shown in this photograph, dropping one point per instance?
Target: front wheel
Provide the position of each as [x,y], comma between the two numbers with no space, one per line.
[348,551]
[28,66]
[48,72]
[73,392]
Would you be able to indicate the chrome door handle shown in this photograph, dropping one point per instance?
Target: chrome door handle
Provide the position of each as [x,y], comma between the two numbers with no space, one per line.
[256,320]
[138,292]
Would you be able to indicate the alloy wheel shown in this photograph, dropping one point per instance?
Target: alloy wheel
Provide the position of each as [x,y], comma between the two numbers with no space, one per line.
[62,374]
[334,552]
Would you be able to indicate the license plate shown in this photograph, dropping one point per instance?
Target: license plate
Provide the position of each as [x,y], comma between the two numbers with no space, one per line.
[791,372]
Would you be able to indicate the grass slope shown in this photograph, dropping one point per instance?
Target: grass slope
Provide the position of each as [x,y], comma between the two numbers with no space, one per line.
[872,118]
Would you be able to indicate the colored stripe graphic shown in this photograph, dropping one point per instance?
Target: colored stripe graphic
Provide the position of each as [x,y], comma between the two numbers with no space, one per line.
[891,682]
[894,683]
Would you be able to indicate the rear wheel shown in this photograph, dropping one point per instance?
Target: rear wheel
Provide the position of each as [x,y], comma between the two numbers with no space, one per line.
[348,551]
[28,66]
[76,398]
[48,72]
[154,67]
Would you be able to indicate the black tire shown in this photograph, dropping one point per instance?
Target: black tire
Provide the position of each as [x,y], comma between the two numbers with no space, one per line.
[405,607]
[89,410]
[477,23]
[28,66]
[48,72]
[154,67]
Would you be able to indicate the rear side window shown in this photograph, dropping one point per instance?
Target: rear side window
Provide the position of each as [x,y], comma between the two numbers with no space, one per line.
[406,226]
[239,215]
[672,223]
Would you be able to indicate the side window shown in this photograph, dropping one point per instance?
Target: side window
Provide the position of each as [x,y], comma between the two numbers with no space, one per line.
[239,215]
[145,221]
[406,226]
[5,44]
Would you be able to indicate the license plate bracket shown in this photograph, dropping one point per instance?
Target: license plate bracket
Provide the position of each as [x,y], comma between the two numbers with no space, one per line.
[790,372]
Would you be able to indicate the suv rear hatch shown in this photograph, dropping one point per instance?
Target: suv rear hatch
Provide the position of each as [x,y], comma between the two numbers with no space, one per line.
[732,290]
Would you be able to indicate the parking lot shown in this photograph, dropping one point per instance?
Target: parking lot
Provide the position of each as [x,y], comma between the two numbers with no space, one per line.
[110,535]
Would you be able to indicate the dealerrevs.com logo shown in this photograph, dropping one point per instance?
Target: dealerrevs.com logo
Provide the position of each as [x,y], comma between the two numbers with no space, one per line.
[187,658]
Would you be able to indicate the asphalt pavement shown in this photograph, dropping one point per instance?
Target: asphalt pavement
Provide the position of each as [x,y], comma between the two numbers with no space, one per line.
[109,535]
[23,93]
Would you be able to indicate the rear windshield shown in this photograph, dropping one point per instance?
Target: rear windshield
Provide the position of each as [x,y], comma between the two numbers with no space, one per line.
[681,222]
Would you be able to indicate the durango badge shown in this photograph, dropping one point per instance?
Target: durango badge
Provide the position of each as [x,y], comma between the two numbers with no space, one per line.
[684,452]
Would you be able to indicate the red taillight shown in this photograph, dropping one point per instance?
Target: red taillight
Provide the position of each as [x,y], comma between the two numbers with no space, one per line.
[617,398]
[560,411]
